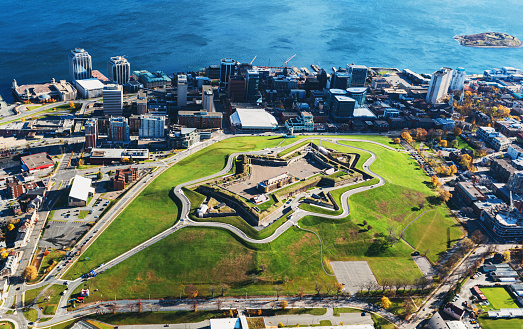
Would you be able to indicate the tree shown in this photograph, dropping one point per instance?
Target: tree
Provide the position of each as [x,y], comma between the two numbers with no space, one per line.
[478,237]
[507,256]
[46,253]
[72,105]
[99,175]
[191,291]
[443,143]
[284,304]
[397,141]
[280,325]
[318,286]
[454,144]
[406,136]
[453,169]
[369,228]
[480,153]
[465,160]
[10,227]
[339,288]
[30,273]
[457,131]
[81,162]
[444,195]
[435,181]
[385,302]
[224,288]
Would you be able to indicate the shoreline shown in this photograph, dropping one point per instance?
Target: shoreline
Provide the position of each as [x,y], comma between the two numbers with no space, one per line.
[460,38]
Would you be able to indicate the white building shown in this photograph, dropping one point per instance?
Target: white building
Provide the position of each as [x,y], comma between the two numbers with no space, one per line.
[305,122]
[439,85]
[152,126]
[208,98]
[81,191]
[90,88]
[182,90]
[458,79]
[113,99]
[80,66]
[253,119]
[119,70]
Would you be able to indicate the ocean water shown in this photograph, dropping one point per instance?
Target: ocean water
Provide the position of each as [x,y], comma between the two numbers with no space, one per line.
[180,35]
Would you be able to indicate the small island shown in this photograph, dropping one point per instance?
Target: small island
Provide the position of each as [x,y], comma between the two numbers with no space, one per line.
[489,40]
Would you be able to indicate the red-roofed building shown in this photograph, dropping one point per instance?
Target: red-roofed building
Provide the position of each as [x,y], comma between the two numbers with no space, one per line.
[36,161]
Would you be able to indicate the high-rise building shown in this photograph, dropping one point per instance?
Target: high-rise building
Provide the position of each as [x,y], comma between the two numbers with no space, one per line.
[458,79]
[358,94]
[226,70]
[182,90]
[119,70]
[80,66]
[212,71]
[141,102]
[118,130]
[113,100]
[252,86]
[439,85]
[343,108]
[152,126]
[236,89]
[91,133]
[322,79]
[340,80]
[207,98]
[358,75]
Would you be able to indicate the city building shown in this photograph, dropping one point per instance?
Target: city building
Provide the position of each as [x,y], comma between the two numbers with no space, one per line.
[118,130]
[304,122]
[458,79]
[515,152]
[183,139]
[253,119]
[503,221]
[90,88]
[80,66]
[59,127]
[469,193]
[59,91]
[274,183]
[102,156]
[358,75]
[37,161]
[153,80]
[439,85]
[10,265]
[454,311]
[123,177]
[515,182]
[227,66]
[152,126]
[91,133]
[14,188]
[498,141]
[182,89]
[501,169]
[358,94]
[119,70]
[252,86]
[444,124]
[141,102]
[80,192]
[207,98]
[212,72]
[340,80]
[113,99]
[236,89]
[343,107]
[200,119]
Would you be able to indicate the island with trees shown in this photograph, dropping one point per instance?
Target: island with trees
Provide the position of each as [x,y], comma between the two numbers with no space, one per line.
[489,40]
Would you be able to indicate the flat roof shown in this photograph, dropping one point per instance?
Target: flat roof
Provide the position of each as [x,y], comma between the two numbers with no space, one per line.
[363,112]
[254,119]
[90,84]
[81,188]
[34,161]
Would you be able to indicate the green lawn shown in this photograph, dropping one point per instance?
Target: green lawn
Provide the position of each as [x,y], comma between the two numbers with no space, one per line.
[158,317]
[207,257]
[429,232]
[291,149]
[33,107]
[500,323]
[463,144]
[65,325]
[83,213]
[30,314]
[499,298]
[49,305]
[6,325]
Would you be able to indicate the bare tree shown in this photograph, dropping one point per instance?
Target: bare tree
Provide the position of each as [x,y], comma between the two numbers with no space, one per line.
[318,286]
[277,289]
[212,289]
[387,284]
[219,304]
[329,287]
[224,288]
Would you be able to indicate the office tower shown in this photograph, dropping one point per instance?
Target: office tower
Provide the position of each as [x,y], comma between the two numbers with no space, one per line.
[251,86]
[182,90]
[141,102]
[113,100]
[80,66]
[322,79]
[358,94]
[91,133]
[152,126]
[207,98]
[343,107]
[458,79]
[212,71]
[226,70]
[119,70]
[439,85]
[236,88]
[340,80]
[118,130]
[358,75]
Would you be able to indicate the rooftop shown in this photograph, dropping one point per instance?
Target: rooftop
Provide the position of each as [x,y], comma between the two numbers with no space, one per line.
[81,188]
[90,84]
[34,161]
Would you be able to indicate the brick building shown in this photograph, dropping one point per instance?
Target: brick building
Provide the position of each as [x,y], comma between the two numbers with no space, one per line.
[200,119]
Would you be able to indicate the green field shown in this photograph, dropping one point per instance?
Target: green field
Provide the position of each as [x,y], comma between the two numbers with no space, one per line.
[6,325]
[208,257]
[500,323]
[50,304]
[433,235]
[498,298]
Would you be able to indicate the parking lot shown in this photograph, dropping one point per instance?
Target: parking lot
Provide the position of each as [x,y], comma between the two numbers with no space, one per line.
[354,275]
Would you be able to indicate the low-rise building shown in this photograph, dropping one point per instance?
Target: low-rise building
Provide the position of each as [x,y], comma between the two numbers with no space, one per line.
[503,221]
[501,169]
[123,177]
[152,80]
[514,151]
[104,156]
[276,182]
[200,119]
[304,122]
[10,265]
[80,192]
[60,91]
[37,161]
[90,88]
[469,193]
[183,138]
[454,311]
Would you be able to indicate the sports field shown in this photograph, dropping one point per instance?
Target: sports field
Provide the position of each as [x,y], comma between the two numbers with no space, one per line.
[499,298]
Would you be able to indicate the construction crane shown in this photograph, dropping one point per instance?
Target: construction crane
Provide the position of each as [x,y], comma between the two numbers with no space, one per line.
[253,60]
[287,61]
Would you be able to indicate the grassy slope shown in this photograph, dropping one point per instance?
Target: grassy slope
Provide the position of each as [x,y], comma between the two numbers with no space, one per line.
[153,210]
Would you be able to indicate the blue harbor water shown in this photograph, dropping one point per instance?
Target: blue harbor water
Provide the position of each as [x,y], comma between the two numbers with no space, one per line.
[181,35]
